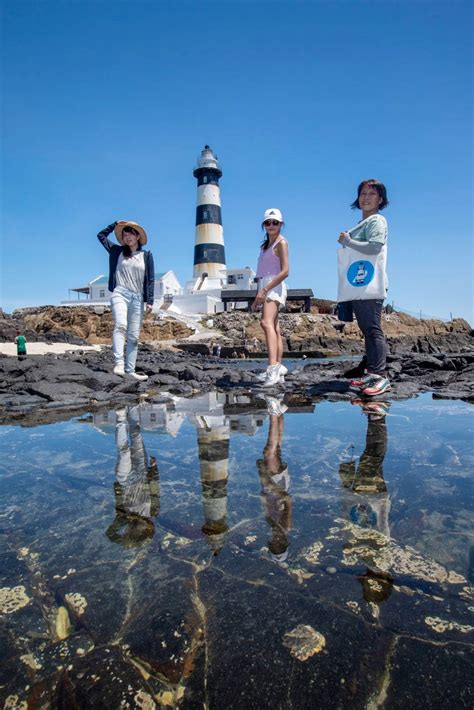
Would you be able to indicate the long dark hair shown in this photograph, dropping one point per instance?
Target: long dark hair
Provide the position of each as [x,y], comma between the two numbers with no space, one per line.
[266,242]
[126,251]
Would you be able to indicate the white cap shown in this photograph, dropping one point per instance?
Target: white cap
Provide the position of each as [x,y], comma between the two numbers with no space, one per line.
[273,213]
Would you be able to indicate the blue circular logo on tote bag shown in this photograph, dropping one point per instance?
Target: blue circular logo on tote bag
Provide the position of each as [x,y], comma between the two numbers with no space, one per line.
[360,273]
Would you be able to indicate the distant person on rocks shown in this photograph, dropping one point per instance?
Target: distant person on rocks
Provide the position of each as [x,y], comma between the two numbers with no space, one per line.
[218,350]
[132,283]
[369,237]
[272,270]
[234,355]
[255,344]
[20,342]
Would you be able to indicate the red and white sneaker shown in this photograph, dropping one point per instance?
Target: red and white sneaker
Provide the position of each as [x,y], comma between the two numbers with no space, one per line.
[381,385]
[362,382]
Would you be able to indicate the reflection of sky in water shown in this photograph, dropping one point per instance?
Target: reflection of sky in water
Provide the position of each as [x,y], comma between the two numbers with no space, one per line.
[426,467]
[323,529]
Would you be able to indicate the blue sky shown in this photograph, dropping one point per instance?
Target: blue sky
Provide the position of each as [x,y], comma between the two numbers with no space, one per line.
[107,105]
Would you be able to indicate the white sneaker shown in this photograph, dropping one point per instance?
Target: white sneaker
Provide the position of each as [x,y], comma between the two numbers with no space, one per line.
[137,376]
[118,370]
[275,406]
[261,377]
[273,376]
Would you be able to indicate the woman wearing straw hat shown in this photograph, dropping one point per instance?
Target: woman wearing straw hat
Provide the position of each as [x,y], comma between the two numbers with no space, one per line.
[132,283]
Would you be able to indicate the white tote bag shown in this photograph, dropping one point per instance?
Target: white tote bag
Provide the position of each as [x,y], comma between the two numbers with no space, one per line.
[361,276]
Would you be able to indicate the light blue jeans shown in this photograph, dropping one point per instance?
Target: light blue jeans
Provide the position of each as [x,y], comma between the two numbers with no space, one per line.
[127,311]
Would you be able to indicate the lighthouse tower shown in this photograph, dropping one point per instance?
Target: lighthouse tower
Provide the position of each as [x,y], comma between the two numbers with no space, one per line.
[209,254]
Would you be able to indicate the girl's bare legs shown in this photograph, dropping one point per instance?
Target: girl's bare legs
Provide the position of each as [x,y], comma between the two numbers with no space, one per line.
[269,322]
[279,339]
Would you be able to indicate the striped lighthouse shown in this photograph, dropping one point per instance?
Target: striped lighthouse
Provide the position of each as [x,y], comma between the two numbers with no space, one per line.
[209,254]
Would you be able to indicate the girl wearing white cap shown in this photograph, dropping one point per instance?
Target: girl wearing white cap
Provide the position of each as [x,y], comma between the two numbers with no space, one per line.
[132,283]
[272,270]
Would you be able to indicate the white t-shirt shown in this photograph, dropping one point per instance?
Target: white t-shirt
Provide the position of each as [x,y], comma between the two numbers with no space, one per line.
[130,272]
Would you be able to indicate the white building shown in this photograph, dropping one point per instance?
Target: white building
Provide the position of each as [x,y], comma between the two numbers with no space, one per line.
[203,295]
[96,292]
[204,411]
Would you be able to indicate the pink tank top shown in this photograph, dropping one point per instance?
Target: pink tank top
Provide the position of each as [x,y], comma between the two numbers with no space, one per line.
[268,261]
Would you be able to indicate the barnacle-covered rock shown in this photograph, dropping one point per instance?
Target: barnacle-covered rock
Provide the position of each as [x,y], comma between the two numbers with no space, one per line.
[12,599]
[304,641]
[311,553]
[442,625]
[77,602]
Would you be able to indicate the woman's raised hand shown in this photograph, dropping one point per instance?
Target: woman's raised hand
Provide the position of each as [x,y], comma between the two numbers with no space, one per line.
[343,236]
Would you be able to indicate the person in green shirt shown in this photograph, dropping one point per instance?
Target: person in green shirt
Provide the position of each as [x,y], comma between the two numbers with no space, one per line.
[370,237]
[20,342]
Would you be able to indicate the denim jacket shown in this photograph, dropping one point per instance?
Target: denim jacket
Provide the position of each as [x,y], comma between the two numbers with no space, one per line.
[114,252]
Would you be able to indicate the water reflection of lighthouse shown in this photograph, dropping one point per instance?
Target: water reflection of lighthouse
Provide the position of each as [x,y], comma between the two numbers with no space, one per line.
[213,445]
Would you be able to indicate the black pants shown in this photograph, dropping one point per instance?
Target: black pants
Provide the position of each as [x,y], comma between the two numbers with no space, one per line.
[369,315]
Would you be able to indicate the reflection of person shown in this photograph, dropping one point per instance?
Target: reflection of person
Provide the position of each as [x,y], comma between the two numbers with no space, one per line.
[137,494]
[370,237]
[132,283]
[20,342]
[272,270]
[366,504]
[275,484]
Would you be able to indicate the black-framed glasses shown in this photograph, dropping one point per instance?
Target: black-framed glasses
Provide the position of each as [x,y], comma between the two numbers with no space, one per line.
[272,222]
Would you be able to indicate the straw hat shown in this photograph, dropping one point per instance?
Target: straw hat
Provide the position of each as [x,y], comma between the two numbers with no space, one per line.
[120,227]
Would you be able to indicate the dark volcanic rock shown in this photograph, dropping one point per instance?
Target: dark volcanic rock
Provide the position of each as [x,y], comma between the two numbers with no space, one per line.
[86,381]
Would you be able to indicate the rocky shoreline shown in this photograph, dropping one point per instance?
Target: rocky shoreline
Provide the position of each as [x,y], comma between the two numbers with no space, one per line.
[424,356]
[46,388]
[302,333]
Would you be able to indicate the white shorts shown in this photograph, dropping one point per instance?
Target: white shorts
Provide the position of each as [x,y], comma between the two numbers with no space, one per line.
[278,293]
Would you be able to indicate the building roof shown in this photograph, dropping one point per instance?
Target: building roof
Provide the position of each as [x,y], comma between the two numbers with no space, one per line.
[104,279]
[242,268]
[99,280]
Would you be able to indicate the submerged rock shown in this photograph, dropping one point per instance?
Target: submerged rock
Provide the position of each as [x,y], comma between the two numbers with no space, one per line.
[63,625]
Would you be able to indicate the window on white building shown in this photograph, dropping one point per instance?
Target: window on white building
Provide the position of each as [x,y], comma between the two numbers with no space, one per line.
[102,293]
